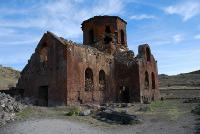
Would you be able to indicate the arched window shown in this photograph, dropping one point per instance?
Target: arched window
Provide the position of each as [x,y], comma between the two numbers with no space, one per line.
[122,36]
[43,53]
[89,80]
[146,80]
[91,36]
[148,54]
[153,80]
[102,80]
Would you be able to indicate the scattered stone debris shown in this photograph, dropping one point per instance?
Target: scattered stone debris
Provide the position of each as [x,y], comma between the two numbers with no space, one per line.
[112,116]
[192,100]
[8,107]
[89,85]
[118,105]
[85,112]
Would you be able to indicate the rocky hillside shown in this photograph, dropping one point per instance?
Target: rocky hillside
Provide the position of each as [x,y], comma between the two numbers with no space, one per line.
[8,77]
[191,79]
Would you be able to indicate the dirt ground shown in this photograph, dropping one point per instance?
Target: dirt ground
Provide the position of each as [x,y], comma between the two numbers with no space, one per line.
[160,117]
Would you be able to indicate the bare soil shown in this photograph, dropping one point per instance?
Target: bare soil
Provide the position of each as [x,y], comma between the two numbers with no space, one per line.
[160,117]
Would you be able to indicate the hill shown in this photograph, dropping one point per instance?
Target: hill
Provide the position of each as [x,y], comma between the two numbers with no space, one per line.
[181,86]
[8,77]
[191,79]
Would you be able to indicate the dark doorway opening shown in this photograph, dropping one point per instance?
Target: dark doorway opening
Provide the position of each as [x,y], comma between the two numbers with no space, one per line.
[107,30]
[107,40]
[153,80]
[21,92]
[43,96]
[125,96]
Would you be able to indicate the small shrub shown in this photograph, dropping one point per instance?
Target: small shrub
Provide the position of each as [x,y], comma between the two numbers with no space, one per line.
[74,111]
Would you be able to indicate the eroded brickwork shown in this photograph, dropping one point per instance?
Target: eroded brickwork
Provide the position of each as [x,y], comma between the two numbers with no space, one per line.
[61,72]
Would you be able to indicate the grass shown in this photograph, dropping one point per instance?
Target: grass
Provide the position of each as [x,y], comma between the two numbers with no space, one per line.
[25,113]
[33,111]
[168,109]
[74,111]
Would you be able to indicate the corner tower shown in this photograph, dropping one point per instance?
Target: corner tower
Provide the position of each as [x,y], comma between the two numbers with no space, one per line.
[106,33]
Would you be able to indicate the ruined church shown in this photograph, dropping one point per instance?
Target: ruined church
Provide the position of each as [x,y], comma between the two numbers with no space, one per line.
[102,69]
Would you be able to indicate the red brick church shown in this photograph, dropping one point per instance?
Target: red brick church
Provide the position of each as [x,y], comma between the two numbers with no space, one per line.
[102,69]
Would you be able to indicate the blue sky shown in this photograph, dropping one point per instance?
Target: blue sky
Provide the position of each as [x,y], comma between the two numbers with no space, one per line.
[170,27]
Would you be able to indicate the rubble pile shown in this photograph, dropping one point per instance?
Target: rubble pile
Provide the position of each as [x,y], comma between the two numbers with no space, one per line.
[89,86]
[8,107]
[102,84]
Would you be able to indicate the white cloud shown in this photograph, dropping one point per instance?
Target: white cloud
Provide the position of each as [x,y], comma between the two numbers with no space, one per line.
[178,38]
[142,16]
[187,9]
[61,17]
[197,37]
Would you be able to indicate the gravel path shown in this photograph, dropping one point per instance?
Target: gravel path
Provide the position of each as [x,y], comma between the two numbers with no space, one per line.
[63,126]
[48,126]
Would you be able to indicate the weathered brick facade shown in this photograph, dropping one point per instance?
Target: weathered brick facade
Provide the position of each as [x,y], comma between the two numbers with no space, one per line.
[61,72]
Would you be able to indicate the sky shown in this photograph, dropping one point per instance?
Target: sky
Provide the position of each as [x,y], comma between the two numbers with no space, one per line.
[170,27]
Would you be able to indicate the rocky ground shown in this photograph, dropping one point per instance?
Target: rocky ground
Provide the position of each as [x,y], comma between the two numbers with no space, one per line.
[159,117]
[8,108]
[63,126]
